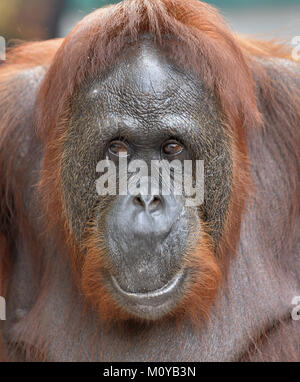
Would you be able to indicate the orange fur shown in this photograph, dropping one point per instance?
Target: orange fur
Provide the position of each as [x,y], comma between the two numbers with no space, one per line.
[202,43]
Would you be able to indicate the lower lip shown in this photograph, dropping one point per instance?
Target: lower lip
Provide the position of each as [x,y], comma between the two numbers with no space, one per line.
[154,298]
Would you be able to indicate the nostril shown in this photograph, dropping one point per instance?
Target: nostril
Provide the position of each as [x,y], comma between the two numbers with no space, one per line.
[148,202]
[155,202]
[138,201]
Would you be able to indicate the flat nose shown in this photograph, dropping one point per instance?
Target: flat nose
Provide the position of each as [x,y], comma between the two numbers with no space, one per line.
[151,216]
[149,203]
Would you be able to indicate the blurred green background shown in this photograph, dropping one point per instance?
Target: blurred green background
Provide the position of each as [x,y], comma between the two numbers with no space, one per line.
[42,19]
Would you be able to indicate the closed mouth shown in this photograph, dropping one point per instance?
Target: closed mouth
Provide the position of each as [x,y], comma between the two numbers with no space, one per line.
[153,304]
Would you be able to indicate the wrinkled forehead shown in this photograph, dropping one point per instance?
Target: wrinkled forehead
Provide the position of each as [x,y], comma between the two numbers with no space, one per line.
[146,98]
[145,93]
[144,76]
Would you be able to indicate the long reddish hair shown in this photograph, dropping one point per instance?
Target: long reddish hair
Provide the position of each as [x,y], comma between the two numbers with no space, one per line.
[200,42]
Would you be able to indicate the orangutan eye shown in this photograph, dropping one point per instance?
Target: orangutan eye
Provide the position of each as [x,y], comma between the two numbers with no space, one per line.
[172,148]
[118,148]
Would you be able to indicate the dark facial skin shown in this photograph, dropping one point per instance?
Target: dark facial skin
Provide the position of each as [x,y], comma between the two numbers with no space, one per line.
[144,102]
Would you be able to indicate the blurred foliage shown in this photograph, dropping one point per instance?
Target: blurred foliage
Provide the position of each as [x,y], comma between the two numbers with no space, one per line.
[29,19]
